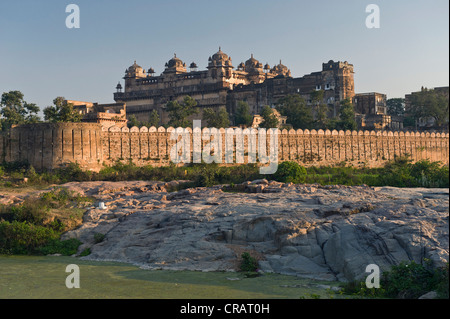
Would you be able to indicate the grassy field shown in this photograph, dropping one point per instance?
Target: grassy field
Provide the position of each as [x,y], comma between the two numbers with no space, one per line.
[38,277]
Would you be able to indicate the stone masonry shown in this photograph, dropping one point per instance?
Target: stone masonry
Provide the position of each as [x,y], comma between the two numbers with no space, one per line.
[48,146]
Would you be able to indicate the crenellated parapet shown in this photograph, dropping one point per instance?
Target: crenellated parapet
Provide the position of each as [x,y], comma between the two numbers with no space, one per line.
[51,145]
[309,147]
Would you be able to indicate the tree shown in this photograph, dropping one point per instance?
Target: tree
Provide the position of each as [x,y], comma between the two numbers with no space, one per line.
[216,119]
[179,112]
[153,120]
[243,115]
[395,106]
[299,115]
[320,108]
[132,121]
[14,110]
[61,111]
[346,119]
[270,120]
[430,104]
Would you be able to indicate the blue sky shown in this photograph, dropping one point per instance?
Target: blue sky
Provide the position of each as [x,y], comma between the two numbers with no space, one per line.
[42,58]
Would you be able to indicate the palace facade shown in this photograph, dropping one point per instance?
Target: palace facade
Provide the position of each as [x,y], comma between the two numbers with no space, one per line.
[222,85]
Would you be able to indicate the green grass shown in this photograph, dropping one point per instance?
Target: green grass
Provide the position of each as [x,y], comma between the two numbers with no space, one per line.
[36,277]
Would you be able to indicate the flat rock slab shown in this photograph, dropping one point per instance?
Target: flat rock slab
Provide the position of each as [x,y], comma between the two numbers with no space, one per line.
[321,232]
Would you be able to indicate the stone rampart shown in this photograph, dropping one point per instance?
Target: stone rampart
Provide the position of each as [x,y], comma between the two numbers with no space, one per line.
[52,145]
[46,145]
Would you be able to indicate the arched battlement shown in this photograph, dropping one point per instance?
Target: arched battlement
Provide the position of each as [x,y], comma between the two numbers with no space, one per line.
[49,145]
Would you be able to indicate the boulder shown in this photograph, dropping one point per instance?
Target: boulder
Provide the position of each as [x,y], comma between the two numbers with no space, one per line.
[328,233]
[429,295]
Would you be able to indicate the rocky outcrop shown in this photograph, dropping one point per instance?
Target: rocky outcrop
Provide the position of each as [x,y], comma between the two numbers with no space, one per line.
[321,232]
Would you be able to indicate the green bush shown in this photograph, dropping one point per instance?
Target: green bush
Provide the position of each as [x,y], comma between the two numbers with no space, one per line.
[23,238]
[85,252]
[248,263]
[357,288]
[397,173]
[407,280]
[72,172]
[64,247]
[442,282]
[290,172]
[57,225]
[31,211]
[207,177]
[430,174]
[62,197]
[57,197]
[98,237]
[18,166]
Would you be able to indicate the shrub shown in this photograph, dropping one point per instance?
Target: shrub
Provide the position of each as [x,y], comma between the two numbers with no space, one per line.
[85,252]
[61,197]
[248,263]
[31,211]
[442,282]
[397,173]
[72,172]
[56,197]
[18,166]
[98,237]
[206,177]
[57,225]
[409,280]
[430,174]
[290,172]
[23,238]
[347,176]
[357,288]
[64,247]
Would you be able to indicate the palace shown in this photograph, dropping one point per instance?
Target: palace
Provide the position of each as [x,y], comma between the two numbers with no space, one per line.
[222,85]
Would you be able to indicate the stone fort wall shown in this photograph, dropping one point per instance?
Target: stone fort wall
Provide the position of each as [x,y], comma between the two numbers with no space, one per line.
[48,146]
[52,145]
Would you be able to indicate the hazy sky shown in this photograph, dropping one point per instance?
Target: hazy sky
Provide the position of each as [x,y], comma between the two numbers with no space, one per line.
[42,58]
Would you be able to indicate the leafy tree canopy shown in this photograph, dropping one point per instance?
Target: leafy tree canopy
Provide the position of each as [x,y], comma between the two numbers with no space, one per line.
[153,120]
[346,119]
[430,103]
[216,119]
[270,120]
[320,109]
[299,115]
[243,115]
[61,111]
[15,110]
[396,106]
[179,112]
